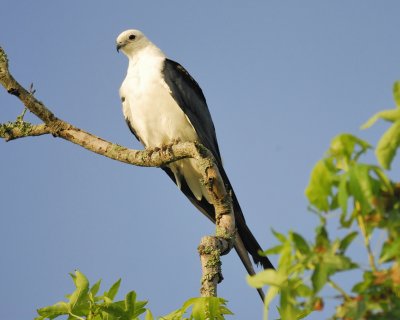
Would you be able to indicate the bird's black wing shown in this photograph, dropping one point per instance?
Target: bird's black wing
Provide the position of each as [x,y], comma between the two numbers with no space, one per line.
[190,98]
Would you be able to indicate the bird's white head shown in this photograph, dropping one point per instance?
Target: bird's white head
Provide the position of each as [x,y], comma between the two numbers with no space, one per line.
[131,41]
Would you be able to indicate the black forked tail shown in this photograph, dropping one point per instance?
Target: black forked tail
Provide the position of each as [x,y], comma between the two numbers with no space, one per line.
[250,243]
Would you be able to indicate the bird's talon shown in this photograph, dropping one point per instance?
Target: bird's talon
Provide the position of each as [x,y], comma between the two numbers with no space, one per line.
[166,149]
[153,150]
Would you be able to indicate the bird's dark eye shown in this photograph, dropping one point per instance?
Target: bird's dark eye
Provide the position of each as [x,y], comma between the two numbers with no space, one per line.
[132,37]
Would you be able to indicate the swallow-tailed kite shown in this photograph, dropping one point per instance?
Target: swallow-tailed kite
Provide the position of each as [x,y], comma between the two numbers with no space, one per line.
[163,103]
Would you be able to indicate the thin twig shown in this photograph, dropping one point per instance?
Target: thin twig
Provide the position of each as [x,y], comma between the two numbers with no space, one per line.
[338,288]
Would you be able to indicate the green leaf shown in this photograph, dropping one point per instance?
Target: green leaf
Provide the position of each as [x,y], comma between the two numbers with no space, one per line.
[286,257]
[203,308]
[79,296]
[320,186]
[321,237]
[336,263]
[274,250]
[270,295]
[58,309]
[113,290]
[387,184]
[368,280]
[346,223]
[199,310]
[188,303]
[319,277]
[214,308]
[266,277]
[303,291]
[396,93]
[115,310]
[149,315]
[388,144]
[334,203]
[303,314]
[279,236]
[95,288]
[344,145]
[130,300]
[174,315]
[361,186]
[219,307]
[300,243]
[329,262]
[134,308]
[287,305]
[140,304]
[390,250]
[343,195]
[347,240]
[353,309]
[390,115]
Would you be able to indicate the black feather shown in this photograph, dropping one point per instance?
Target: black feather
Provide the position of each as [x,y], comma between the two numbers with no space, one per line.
[191,100]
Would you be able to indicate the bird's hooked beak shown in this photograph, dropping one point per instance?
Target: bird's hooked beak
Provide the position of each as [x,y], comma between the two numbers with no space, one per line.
[120,45]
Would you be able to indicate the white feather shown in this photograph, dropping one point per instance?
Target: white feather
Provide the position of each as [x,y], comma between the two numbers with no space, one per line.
[153,112]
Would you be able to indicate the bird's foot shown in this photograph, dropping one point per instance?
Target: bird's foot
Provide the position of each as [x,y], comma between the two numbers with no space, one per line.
[152,150]
[166,148]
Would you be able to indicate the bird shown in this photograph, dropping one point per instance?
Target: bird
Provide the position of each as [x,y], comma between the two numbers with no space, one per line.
[162,103]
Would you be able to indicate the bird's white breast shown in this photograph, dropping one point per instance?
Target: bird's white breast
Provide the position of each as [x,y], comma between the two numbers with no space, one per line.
[156,117]
[149,106]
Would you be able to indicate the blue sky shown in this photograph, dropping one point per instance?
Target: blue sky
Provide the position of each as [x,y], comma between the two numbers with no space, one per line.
[281,78]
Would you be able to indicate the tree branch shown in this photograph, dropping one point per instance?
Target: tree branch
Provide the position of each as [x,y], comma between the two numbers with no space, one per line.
[210,247]
[20,129]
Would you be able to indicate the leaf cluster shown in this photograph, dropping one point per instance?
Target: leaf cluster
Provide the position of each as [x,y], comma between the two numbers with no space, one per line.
[203,308]
[304,269]
[390,140]
[85,303]
[367,201]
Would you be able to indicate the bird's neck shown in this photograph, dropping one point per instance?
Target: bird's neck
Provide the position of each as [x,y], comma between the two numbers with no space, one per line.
[149,55]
